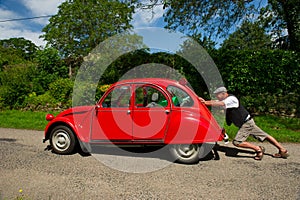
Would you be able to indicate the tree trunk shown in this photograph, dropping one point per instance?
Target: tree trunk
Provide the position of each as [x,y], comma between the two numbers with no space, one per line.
[70,70]
[291,11]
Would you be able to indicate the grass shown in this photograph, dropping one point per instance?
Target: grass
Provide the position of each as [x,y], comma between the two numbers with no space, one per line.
[23,119]
[283,129]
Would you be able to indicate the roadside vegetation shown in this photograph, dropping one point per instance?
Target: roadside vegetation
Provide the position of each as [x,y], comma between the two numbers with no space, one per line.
[284,129]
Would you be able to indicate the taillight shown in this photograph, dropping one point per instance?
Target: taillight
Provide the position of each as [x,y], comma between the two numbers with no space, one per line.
[223,131]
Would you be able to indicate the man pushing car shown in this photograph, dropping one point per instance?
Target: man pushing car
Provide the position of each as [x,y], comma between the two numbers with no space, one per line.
[240,117]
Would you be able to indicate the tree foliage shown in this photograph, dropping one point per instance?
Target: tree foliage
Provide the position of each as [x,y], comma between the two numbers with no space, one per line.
[25,48]
[248,36]
[79,26]
[258,72]
[49,67]
[20,77]
[16,83]
[9,56]
[281,15]
[267,81]
[214,18]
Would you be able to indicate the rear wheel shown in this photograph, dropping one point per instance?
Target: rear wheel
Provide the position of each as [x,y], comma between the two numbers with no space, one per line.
[185,153]
[62,140]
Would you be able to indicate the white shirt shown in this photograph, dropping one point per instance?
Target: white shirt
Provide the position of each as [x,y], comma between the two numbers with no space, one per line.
[231,102]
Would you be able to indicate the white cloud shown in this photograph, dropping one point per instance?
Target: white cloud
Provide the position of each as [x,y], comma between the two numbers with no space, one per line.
[38,7]
[41,8]
[16,29]
[5,15]
[11,29]
[6,33]
[147,17]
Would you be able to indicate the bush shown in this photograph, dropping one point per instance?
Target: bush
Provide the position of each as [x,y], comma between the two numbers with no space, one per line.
[259,72]
[16,83]
[275,104]
[57,98]
[40,102]
[101,90]
[267,81]
[61,90]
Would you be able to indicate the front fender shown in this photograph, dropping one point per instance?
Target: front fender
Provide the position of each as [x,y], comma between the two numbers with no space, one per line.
[59,121]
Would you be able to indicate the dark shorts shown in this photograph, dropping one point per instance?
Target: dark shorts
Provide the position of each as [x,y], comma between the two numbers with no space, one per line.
[249,128]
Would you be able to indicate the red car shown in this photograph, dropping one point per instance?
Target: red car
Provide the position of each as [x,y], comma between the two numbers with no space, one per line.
[146,111]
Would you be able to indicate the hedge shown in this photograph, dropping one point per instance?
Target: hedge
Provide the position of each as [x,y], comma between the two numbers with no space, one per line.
[267,81]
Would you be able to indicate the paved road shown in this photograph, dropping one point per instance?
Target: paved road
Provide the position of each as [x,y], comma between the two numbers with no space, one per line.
[24,164]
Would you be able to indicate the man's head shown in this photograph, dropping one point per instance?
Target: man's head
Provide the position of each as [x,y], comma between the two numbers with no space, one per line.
[221,93]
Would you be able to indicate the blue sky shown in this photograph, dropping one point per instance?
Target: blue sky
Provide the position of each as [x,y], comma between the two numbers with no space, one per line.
[31,29]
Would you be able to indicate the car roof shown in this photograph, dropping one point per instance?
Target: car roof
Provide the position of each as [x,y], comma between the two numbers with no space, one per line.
[156,81]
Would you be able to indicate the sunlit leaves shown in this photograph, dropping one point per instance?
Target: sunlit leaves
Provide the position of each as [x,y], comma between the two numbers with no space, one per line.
[80,26]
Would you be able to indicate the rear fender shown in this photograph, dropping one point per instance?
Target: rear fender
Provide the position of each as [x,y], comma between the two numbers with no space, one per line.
[189,127]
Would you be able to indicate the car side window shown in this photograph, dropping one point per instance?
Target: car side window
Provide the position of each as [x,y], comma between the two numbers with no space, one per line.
[118,97]
[179,97]
[147,96]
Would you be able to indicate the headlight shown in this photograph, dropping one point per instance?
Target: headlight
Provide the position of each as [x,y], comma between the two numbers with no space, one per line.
[49,117]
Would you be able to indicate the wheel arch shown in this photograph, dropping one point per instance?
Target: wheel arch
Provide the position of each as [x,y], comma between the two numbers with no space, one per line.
[59,123]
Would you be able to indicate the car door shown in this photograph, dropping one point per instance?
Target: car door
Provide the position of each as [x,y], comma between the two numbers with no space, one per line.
[150,115]
[112,121]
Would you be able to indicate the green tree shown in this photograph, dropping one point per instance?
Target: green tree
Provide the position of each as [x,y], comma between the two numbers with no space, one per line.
[249,36]
[25,48]
[16,84]
[217,18]
[80,25]
[49,67]
[281,15]
[16,71]
[9,56]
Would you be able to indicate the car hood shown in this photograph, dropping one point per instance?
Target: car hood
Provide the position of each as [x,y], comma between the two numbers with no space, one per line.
[75,111]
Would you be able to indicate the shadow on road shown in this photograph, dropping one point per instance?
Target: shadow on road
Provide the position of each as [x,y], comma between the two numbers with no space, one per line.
[143,152]
[233,152]
[157,152]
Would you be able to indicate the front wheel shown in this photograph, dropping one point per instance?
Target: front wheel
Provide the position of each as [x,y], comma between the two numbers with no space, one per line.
[185,153]
[62,140]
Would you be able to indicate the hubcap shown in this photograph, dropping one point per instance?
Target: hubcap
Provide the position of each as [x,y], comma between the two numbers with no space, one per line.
[61,140]
[186,150]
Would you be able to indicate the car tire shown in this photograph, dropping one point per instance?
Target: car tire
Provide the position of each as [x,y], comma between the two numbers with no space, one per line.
[62,140]
[185,153]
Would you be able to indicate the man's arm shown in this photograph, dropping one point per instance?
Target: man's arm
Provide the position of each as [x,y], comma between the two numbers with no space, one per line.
[212,102]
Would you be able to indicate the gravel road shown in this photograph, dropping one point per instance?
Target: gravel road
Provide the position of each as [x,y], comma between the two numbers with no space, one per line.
[29,171]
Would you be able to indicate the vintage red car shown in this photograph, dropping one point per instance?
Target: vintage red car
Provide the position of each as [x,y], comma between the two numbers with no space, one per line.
[146,111]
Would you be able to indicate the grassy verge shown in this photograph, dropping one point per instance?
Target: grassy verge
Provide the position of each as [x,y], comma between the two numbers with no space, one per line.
[23,119]
[283,129]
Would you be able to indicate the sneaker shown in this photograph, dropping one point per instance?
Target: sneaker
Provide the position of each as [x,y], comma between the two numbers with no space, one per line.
[226,139]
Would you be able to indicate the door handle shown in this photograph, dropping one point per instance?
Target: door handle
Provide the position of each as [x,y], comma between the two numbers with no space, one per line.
[128,112]
[167,111]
